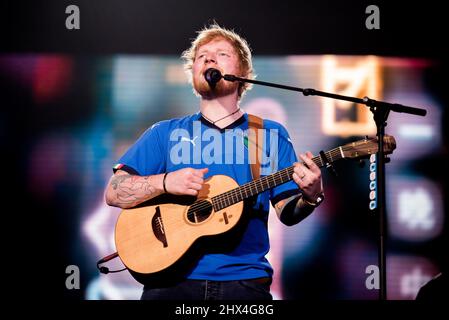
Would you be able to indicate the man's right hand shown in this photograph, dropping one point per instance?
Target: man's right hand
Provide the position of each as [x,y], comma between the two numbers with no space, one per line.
[187,181]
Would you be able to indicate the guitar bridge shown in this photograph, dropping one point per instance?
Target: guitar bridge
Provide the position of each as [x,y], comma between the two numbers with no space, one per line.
[157,226]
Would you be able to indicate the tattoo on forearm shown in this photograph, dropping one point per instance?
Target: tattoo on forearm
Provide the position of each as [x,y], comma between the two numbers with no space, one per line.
[116,180]
[132,189]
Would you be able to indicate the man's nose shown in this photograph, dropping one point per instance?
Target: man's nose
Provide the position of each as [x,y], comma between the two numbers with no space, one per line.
[210,58]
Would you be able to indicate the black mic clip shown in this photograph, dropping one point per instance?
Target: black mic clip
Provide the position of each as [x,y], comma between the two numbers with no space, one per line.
[230,77]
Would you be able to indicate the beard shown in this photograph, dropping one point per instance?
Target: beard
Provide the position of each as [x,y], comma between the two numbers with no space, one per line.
[222,88]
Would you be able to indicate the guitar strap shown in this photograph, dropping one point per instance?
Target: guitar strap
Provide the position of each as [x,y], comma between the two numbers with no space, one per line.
[255,143]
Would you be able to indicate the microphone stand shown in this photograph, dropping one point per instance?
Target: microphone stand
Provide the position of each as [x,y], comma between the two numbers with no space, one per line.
[380,110]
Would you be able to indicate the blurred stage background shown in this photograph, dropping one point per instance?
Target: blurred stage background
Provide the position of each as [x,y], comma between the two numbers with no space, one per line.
[72,107]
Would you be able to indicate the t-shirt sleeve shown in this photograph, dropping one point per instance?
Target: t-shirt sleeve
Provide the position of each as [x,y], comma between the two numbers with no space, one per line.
[286,158]
[147,155]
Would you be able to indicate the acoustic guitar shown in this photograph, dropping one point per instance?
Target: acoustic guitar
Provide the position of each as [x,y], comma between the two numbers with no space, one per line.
[156,234]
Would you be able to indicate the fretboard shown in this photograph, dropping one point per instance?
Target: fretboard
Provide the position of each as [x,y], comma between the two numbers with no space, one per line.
[267,182]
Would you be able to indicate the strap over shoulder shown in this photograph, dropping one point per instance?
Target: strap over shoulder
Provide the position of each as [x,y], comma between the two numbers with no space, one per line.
[255,143]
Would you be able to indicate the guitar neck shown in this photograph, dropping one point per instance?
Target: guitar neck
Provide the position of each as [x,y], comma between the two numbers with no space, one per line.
[267,182]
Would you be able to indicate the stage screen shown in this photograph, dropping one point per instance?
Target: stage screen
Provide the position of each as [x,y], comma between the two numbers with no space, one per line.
[95,107]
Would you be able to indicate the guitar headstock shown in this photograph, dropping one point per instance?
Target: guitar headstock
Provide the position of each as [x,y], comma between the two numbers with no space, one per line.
[368,146]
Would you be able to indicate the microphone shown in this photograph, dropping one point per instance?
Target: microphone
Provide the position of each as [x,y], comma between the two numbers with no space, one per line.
[212,76]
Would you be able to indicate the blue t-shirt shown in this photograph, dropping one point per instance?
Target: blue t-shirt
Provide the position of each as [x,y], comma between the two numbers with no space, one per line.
[194,142]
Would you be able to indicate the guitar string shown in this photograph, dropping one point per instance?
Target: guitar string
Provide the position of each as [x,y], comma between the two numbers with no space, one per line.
[223,198]
[334,154]
[261,182]
[236,192]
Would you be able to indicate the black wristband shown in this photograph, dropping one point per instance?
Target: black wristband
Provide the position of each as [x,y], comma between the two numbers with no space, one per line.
[163,182]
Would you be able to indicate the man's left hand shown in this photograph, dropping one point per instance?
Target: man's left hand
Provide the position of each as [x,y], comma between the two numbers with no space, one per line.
[308,177]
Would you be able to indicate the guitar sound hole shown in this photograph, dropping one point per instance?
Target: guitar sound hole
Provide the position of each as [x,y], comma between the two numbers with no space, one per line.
[199,211]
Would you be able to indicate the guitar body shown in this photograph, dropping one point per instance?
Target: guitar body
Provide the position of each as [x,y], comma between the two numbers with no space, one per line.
[155,235]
